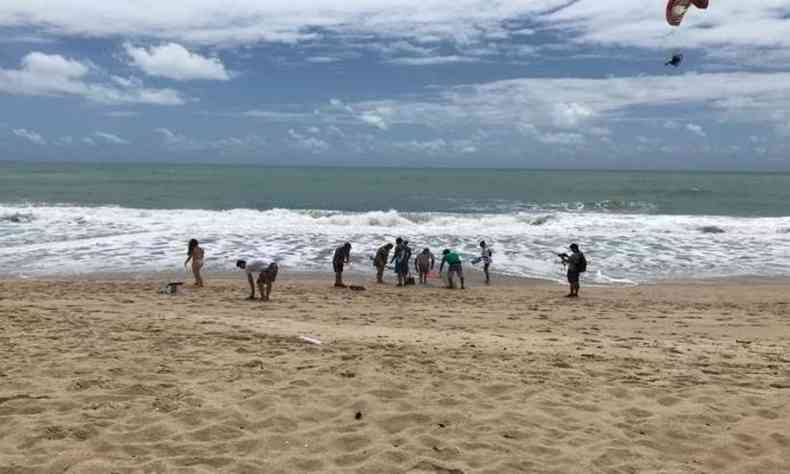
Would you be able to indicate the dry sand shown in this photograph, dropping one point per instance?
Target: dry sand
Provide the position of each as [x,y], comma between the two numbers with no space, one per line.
[110,376]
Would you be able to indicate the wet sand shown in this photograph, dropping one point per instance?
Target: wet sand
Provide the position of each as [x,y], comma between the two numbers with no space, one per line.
[106,375]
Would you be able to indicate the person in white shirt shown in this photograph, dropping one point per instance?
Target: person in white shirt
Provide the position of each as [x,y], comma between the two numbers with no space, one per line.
[267,274]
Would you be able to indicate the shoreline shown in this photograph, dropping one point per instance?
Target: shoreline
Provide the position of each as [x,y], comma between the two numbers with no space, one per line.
[473,278]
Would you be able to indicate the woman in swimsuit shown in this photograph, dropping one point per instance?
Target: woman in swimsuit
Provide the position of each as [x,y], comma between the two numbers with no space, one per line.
[195,253]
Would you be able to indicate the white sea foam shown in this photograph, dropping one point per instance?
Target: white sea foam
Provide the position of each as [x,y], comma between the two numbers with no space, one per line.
[621,248]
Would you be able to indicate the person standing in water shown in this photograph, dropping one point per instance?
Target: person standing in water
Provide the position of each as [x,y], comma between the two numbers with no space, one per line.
[577,264]
[195,254]
[486,255]
[399,257]
[423,264]
[380,261]
[341,257]
[455,267]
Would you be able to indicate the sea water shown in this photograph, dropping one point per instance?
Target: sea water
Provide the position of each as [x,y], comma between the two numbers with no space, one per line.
[70,219]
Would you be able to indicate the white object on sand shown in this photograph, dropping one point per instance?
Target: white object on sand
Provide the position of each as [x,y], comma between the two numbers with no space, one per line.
[311,340]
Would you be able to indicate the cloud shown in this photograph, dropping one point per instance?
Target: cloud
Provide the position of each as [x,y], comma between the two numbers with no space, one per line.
[562,138]
[640,23]
[43,74]
[211,22]
[311,144]
[182,143]
[170,137]
[323,59]
[374,120]
[110,138]
[30,136]
[695,129]
[174,61]
[432,60]
[277,116]
[122,114]
[731,30]
[574,103]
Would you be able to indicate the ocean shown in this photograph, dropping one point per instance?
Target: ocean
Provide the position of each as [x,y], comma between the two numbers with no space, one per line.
[634,227]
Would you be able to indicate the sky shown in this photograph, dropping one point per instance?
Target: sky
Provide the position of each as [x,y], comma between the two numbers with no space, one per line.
[482,83]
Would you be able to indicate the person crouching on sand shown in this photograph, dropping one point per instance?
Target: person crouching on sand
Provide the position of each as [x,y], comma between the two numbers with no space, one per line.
[455,267]
[380,261]
[195,253]
[267,274]
[341,257]
[423,264]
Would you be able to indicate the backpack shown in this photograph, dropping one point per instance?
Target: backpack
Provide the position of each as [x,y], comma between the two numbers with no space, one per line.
[582,263]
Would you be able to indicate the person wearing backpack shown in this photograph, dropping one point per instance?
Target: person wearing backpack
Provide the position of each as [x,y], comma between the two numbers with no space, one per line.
[577,264]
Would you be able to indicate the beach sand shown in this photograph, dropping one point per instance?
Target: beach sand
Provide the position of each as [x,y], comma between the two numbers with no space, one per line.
[112,377]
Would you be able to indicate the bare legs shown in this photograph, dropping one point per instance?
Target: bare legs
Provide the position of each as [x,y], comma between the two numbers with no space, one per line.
[380,274]
[196,267]
[265,289]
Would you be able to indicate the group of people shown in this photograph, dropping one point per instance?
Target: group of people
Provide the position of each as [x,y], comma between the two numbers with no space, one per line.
[424,263]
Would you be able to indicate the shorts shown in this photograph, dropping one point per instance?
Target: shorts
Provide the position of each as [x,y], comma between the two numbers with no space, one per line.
[402,268]
[424,268]
[573,277]
[457,269]
[337,267]
[269,275]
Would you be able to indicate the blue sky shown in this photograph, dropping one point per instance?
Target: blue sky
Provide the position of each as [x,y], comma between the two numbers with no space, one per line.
[523,83]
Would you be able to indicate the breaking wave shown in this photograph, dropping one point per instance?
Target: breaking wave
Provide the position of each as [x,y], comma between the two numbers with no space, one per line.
[636,247]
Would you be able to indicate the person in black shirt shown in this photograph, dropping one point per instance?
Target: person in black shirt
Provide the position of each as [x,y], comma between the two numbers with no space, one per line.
[342,256]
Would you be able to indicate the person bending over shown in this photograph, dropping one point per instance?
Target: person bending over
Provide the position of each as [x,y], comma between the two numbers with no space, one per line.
[454,267]
[380,261]
[341,257]
[267,274]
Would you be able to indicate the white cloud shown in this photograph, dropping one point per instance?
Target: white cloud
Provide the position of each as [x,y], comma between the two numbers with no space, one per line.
[89,141]
[431,60]
[42,74]
[577,103]
[276,116]
[111,138]
[174,61]
[562,138]
[695,129]
[728,29]
[375,120]
[570,115]
[641,23]
[436,146]
[311,144]
[170,138]
[30,136]
[252,21]
[182,143]
[323,59]
[122,114]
